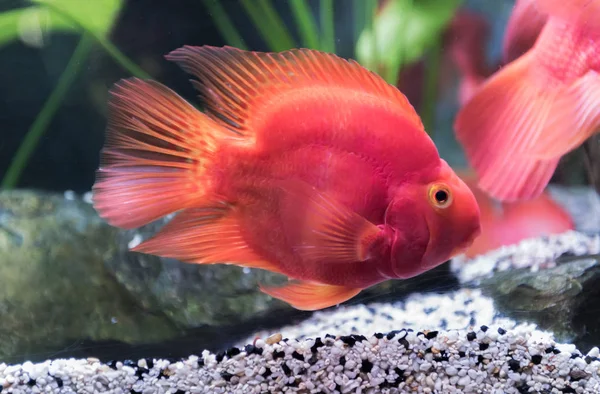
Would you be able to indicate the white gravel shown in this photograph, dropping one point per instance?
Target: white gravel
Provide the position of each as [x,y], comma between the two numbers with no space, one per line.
[485,360]
[535,253]
[476,351]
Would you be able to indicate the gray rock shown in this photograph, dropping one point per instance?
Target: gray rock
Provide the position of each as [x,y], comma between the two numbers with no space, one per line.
[54,287]
[552,281]
[582,203]
[191,295]
[556,299]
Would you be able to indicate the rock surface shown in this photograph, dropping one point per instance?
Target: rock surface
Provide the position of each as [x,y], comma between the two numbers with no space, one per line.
[54,287]
[66,276]
[553,282]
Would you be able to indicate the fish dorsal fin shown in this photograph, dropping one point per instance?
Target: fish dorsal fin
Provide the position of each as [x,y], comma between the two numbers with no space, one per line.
[233,83]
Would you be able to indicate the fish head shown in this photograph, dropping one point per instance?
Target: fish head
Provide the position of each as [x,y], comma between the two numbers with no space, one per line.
[429,219]
[452,215]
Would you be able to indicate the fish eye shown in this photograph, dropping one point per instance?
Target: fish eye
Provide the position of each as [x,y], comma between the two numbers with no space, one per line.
[440,196]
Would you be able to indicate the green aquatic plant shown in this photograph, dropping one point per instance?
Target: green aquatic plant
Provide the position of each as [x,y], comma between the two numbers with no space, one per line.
[388,34]
[92,20]
[403,32]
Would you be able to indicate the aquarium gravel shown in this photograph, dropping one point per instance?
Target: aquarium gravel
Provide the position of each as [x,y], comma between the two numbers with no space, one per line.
[468,356]
[452,342]
[535,254]
[482,360]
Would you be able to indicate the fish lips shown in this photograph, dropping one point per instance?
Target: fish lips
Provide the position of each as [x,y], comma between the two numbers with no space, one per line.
[402,269]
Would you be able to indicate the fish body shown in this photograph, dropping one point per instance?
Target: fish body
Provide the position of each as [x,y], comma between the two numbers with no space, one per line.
[303,164]
[537,108]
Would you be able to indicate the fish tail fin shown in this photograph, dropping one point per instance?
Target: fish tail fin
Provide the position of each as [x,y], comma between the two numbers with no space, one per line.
[155,157]
[519,179]
[499,126]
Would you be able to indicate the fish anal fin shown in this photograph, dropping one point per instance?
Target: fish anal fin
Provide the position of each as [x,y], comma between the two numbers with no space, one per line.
[207,235]
[311,296]
[234,83]
[575,118]
[326,229]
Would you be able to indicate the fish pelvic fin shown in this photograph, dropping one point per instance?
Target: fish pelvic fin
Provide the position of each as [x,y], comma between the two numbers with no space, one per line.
[157,150]
[502,124]
[211,234]
[238,85]
[310,296]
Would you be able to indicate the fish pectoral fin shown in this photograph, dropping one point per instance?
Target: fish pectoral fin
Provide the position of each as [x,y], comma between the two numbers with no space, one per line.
[326,229]
[574,118]
[206,235]
[310,296]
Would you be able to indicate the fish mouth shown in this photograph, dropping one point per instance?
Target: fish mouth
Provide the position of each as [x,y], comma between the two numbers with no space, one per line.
[388,271]
[424,263]
[462,248]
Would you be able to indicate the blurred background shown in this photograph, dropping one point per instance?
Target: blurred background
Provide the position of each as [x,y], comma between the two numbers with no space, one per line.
[64,99]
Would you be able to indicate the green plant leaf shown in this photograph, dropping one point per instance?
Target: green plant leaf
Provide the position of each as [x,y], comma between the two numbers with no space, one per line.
[95,16]
[307,26]
[224,24]
[269,24]
[404,31]
[43,119]
[31,24]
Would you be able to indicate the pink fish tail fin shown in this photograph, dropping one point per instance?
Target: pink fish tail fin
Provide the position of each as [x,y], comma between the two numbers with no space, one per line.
[574,118]
[501,124]
[155,157]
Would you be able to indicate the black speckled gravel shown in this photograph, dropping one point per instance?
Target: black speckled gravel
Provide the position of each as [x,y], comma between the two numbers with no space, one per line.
[514,362]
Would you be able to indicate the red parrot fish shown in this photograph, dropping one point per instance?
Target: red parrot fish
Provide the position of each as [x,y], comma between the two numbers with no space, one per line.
[303,164]
[539,107]
[508,223]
